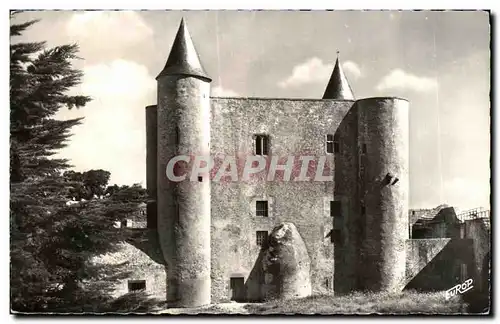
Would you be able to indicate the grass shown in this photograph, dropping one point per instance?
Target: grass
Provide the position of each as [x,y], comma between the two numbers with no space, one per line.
[407,302]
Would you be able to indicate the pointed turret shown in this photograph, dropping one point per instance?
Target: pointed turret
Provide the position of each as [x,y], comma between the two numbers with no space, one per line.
[338,87]
[183,209]
[183,58]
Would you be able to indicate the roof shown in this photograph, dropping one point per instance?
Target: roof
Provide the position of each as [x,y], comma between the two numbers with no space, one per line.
[338,87]
[426,215]
[183,58]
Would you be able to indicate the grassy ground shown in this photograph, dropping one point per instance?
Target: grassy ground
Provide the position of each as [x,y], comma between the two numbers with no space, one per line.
[357,303]
[364,303]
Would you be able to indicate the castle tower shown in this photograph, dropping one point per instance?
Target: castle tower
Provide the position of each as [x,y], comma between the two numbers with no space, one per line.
[338,87]
[183,114]
[383,152]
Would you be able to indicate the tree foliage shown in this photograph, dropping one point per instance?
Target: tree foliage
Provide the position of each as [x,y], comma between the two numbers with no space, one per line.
[51,239]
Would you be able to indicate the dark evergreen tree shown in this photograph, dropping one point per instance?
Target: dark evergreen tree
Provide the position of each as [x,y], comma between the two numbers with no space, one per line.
[88,184]
[51,240]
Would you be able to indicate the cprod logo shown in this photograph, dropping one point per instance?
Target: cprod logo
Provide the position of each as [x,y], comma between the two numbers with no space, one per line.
[459,289]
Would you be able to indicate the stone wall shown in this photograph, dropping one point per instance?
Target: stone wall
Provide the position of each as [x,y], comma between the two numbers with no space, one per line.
[140,260]
[476,230]
[440,262]
[295,127]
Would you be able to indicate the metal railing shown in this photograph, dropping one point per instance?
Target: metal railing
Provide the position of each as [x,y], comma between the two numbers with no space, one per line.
[476,213]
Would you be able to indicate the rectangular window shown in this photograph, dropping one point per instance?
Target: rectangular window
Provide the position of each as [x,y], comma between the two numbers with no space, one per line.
[261,144]
[335,208]
[363,148]
[177,211]
[261,238]
[332,144]
[136,285]
[124,223]
[261,208]
[363,211]
[200,179]
[329,143]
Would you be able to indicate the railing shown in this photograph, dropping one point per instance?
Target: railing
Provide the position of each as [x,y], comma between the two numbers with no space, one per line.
[476,213]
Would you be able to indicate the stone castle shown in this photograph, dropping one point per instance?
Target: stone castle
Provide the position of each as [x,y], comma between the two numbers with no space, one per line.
[357,229]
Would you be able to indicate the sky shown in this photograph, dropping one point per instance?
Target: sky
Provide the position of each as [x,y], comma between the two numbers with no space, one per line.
[439,61]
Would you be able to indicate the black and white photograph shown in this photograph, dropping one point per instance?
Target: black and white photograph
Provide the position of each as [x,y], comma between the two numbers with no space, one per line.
[250,162]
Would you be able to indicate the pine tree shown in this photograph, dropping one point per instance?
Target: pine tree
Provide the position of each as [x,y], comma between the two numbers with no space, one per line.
[39,79]
[51,240]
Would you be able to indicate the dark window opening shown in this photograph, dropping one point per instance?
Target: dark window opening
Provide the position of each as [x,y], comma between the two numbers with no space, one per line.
[332,144]
[261,238]
[261,208]
[363,148]
[335,208]
[363,210]
[124,223]
[261,144]
[329,147]
[237,288]
[177,212]
[329,143]
[200,179]
[136,285]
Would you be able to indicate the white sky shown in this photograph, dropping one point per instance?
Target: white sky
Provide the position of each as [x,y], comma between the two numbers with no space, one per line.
[440,61]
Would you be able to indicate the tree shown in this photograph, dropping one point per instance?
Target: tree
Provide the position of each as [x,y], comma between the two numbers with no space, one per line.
[39,79]
[51,241]
[88,184]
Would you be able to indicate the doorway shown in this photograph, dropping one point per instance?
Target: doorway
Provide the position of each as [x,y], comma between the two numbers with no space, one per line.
[237,288]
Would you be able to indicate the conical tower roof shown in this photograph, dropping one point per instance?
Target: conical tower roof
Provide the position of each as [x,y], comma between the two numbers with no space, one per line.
[338,87]
[183,58]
